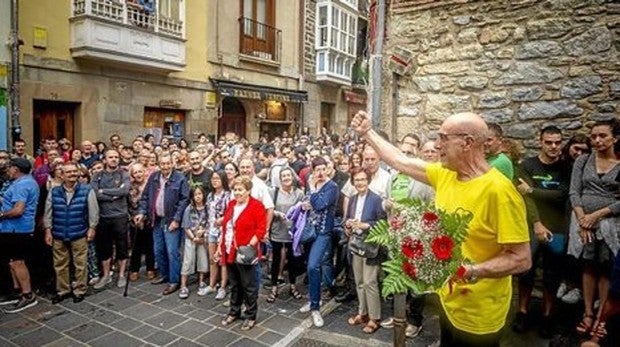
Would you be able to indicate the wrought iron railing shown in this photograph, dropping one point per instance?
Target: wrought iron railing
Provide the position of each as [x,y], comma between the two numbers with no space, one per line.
[259,40]
[130,12]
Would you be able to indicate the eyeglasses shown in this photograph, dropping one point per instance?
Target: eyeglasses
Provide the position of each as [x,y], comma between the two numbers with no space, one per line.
[445,136]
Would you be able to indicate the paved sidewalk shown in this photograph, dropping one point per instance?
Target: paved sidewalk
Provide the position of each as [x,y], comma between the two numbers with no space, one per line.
[145,318]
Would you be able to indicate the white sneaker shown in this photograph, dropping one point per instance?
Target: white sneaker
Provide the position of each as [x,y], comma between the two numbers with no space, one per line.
[596,305]
[573,296]
[562,290]
[388,323]
[184,293]
[221,294]
[93,281]
[104,281]
[306,307]
[202,289]
[211,290]
[122,281]
[412,331]
[317,319]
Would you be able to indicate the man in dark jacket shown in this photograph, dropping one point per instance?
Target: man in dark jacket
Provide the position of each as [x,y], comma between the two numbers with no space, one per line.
[111,187]
[71,216]
[163,202]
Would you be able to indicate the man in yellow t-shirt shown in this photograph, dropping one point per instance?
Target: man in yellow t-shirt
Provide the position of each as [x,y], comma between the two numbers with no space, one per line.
[474,312]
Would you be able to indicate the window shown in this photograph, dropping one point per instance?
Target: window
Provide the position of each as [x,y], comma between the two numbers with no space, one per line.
[321,59]
[259,36]
[336,41]
[169,8]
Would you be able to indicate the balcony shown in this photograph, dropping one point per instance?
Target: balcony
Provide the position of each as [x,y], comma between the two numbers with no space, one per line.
[259,42]
[124,32]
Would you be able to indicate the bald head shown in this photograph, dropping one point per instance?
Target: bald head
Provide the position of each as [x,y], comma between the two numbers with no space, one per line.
[468,123]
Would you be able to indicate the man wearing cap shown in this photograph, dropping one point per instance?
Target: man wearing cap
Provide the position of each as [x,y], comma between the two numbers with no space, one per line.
[17,219]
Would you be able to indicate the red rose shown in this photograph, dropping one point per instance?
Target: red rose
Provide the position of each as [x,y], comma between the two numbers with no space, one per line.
[411,248]
[409,269]
[442,247]
[430,218]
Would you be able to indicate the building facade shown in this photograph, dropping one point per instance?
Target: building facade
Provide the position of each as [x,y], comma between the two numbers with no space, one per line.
[91,68]
[522,64]
[5,62]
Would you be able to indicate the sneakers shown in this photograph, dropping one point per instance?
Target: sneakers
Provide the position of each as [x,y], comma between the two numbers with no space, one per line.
[184,293]
[388,323]
[104,281]
[221,294]
[10,299]
[122,281]
[573,296]
[94,281]
[519,325]
[306,307]
[562,290]
[412,331]
[211,290]
[317,319]
[23,304]
[202,289]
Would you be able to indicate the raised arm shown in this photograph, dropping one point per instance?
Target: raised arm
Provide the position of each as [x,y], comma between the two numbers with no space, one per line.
[413,167]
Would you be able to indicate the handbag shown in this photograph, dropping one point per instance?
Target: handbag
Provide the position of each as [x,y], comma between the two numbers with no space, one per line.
[359,247]
[246,255]
[308,234]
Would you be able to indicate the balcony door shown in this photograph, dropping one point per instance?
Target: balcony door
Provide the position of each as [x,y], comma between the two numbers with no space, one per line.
[258,32]
[53,119]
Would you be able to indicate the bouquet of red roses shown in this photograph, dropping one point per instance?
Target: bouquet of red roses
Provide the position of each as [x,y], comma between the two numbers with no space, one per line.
[424,244]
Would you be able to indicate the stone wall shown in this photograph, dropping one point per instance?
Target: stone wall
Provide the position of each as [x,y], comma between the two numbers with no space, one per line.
[521,63]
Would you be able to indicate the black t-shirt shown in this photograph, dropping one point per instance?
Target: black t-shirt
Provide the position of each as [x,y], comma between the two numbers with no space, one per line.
[204,179]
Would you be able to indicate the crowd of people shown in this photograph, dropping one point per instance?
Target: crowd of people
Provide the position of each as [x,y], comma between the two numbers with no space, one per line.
[280,214]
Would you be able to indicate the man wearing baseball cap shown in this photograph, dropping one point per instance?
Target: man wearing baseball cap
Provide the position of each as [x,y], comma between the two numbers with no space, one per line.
[17,220]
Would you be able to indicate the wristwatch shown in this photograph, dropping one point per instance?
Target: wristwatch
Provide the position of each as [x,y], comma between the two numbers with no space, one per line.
[1,214]
[473,274]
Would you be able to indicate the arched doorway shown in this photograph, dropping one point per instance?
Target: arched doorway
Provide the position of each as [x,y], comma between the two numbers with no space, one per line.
[233,117]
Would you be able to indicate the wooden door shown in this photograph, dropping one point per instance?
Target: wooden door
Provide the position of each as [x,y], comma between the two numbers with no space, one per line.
[53,119]
[233,118]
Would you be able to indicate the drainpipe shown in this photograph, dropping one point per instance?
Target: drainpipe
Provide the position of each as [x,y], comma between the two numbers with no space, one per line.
[16,128]
[302,46]
[377,59]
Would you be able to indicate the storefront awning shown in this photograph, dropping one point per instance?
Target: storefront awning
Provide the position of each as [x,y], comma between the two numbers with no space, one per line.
[251,91]
[354,98]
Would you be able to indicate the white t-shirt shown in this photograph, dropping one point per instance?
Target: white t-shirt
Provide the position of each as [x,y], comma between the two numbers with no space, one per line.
[260,192]
[378,185]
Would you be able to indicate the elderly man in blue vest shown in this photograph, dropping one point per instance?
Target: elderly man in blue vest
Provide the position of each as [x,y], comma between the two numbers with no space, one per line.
[70,219]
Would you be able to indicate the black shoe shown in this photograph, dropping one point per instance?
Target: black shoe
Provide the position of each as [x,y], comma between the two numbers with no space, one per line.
[77,298]
[10,299]
[25,302]
[345,296]
[519,325]
[58,298]
[546,328]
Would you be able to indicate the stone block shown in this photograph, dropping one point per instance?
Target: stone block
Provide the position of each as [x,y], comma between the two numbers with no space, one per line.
[428,83]
[526,93]
[548,109]
[88,331]
[519,33]
[473,82]
[564,125]
[607,107]
[593,41]
[410,98]
[580,87]
[37,337]
[528,72]
[467,35]
[581,70]
[520,131]
[501,115]
[445,68]
[440,106]
[494,100]
[505,53]
[548,28]
[461,20]
[614,87]
[116,339]
[538,49]
[404,111]
[602,116]
[493,35]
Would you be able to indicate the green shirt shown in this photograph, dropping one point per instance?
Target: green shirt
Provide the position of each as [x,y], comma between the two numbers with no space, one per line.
[503,164]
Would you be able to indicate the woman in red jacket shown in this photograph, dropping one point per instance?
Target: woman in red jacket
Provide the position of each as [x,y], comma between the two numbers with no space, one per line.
[244,223]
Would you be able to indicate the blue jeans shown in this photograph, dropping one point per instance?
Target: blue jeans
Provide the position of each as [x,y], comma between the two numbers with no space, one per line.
[167,245]
[320,246]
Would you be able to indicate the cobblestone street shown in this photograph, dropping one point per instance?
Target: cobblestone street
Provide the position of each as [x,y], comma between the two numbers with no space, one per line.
[144,317]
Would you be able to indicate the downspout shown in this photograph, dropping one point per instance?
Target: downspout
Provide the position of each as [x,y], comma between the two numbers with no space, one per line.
[16,128]
[377,59]
[301,79]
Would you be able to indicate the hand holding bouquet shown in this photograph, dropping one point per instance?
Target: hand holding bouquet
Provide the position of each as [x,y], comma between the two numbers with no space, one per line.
[424,244]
